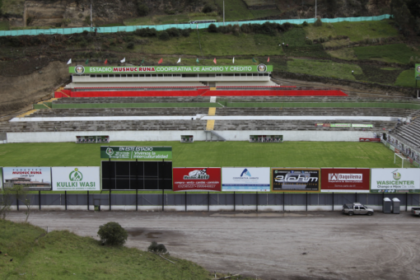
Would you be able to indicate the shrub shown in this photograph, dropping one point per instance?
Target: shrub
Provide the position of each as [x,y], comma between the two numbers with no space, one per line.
[212,28]
[304,24]
[130,45]
[146,32]
[164,36]
[157,248]
[207,9]
[186,32]
[142,9]
[173,32]
[318,23]
[112,234]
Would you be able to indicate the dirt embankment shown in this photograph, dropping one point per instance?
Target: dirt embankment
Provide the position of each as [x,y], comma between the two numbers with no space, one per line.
[21,91]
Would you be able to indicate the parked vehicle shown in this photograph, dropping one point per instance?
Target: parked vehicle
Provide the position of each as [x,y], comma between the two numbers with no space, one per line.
[415,211]
[357,208]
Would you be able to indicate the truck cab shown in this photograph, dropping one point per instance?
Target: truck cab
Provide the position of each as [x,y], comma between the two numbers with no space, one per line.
[356,208]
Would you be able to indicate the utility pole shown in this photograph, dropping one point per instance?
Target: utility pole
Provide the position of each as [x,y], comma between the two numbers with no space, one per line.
[316,7]
[223,12]
[91,22]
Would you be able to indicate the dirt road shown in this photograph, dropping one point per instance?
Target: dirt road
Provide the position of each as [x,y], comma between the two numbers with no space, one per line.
[316,245]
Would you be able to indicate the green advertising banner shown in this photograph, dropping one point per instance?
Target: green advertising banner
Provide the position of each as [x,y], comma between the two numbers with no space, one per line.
[417,72]
[340,125]
[80,69]
[1,178]
[131,152]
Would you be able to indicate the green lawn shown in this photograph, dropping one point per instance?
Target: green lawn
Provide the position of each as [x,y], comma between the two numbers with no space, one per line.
[324,68]
[214,154]
[399,53]
[356,31]
[234,10]
[406,79]
[64,255]
[4,25]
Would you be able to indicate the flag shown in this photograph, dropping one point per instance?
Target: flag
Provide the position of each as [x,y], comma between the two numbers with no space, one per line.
[215,61]
[179,60]
[142,62]
[160,61]
[87,61]
[69,62]
[233,60]
[123,60]
[253,60]
[268,59]
[197,60]
[106,61]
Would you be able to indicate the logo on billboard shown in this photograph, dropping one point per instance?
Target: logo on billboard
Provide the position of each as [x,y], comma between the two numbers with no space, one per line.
[262,68]
[396,174]
[79,69]
[109,151]
[345,177]
[197,175]
[246,172]
[76,175]
[287,179]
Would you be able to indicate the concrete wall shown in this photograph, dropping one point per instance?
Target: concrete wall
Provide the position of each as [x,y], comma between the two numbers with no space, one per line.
[229,135]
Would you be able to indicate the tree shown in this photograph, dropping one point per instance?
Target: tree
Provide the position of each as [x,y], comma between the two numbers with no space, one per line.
[402,16]
[16,193]
[112,234]
[142,9]
[212,28]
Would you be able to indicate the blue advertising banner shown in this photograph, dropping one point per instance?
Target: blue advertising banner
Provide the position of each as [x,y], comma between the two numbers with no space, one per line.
[246,179]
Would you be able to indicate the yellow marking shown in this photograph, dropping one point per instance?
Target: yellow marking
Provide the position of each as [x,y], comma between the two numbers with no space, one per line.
[212,111]
[27,113]
[210,123]
[213,88]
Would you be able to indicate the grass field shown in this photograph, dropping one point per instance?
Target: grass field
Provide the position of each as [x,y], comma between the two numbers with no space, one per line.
[213,154]
[60,255]
[324,68]
[406,79]
[399,53]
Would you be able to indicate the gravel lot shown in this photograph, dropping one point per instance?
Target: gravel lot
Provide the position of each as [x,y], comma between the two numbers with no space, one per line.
[296,245]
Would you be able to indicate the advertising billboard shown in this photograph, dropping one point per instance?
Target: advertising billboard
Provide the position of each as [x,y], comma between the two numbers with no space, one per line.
[34,178]
[1,178]
[76,179]
[265,138]
[345,179]
[197,179]
[296,180]
[80,69]
[246,179]
[131,152]
[417,72]
[395,180]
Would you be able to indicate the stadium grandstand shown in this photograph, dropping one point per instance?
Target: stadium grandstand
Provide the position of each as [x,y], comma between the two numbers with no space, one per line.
[209,102]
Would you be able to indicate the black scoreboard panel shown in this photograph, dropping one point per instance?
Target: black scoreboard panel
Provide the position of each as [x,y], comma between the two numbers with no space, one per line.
[136,175]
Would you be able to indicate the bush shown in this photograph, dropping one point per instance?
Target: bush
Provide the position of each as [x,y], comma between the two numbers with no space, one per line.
[173,32]
[112,234]
[207,9]
[142,9]
[130,45]
[186,32]
[164,36]
[212,28]
[318,23]
[304,24]
[146,32]
[157,248]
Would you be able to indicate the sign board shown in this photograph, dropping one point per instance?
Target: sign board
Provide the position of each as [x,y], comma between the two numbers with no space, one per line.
[395,180]
[34,178]
[296,180]
[266,138]
[136,152]
[345,179]
[369,140]
[80,69]
[187,139]
[417,72]
[340,125]
[1,178]
[362,125]
[76,179]
[197,179]
[92,139]
[246,179]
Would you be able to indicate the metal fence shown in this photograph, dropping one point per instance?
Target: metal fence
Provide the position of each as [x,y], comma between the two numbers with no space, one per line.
[233,200]
[114,29]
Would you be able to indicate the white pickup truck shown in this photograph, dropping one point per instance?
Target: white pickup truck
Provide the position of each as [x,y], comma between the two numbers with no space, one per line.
[357,208]
[415,211]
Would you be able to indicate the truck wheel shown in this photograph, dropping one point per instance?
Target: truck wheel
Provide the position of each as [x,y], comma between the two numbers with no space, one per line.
[370,213]
[351,213]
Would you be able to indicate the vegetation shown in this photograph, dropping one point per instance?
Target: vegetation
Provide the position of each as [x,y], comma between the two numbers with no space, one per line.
[29,252]
[399,53]
[325,68]
[112,234]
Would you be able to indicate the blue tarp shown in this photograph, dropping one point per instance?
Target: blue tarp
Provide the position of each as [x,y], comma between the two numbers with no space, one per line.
[66,31]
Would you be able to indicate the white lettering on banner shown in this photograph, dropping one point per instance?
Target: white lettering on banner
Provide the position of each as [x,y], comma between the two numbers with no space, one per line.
[345,177]
[100,69]
[241,68]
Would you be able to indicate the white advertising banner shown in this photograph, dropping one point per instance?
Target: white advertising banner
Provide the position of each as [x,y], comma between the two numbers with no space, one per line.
[34,178]
[395,180]
[246,179]
[76,179]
